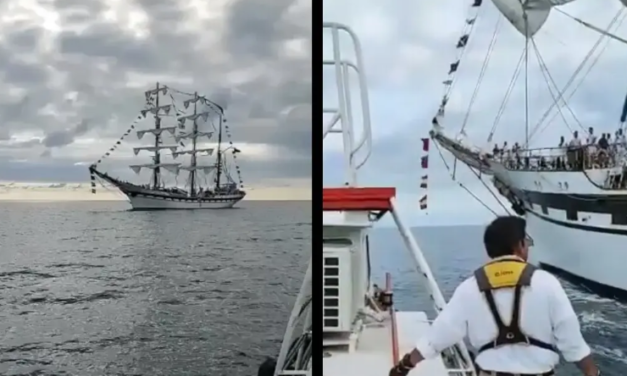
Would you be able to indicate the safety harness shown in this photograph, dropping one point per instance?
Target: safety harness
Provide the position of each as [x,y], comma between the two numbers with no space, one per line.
[507,273]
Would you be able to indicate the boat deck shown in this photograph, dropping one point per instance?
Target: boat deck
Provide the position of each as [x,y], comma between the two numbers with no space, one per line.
[373,353]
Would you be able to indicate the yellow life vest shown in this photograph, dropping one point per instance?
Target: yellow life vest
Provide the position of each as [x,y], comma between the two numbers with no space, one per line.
[514,273]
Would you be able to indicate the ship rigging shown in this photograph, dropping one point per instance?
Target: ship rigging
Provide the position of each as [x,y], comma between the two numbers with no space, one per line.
[199,191]
[574,196]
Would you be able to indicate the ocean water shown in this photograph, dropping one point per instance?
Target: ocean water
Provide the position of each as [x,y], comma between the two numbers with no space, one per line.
[455,252]
[93,289]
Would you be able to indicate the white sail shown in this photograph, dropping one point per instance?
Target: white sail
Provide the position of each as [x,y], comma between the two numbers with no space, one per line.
[155,148]
[528,16]
[182,119]
[171,167]
[161,110]
[156,132]
[184,135]
[206,168]
[189,152]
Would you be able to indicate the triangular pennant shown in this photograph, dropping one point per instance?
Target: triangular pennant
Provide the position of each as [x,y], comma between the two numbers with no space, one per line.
[136,169]
[453,67]
[140,134]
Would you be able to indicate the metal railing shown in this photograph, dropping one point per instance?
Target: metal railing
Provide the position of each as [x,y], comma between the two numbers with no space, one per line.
[342,116]
[586,157]
[342,122]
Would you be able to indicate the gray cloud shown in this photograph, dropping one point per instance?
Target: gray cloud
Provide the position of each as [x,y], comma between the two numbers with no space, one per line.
[65,137]
[100,56]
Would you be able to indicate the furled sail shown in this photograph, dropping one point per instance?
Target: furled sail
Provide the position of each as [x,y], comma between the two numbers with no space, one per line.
[183,152]
[193,117]
[171,167]
[206,168]
[155,131]
[184,135]
[528,16]
[155,148]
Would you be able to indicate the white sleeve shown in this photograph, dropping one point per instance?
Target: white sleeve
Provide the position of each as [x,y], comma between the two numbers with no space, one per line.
[449,328]
[566,329]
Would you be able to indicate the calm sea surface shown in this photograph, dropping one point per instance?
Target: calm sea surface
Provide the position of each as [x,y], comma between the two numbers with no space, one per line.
[92,289]
[455,252]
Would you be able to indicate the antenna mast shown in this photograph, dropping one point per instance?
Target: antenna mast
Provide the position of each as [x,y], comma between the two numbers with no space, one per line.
[219,159]
[157,156]
[192,172]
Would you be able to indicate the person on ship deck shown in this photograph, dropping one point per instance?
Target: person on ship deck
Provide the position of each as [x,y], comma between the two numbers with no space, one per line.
[542,325]
[574,152]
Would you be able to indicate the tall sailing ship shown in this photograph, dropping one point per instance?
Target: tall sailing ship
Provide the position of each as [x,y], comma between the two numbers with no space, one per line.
[209,185]
[573,197]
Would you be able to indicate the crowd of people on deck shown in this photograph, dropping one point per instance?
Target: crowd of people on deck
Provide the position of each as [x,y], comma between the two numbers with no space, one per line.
[576,154]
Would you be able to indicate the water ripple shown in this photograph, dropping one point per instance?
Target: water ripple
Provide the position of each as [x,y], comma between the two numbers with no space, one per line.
[156,294]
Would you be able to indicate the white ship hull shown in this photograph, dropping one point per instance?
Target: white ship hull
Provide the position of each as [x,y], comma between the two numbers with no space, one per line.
[596,258]
[579,228]
[140,202]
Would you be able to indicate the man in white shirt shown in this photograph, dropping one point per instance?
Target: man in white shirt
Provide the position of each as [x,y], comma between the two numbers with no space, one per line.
[542,322]
[575,153]
[592,138]
[575,141]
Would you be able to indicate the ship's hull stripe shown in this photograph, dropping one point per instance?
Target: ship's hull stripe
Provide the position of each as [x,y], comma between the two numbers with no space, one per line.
[583,227]
[601,204]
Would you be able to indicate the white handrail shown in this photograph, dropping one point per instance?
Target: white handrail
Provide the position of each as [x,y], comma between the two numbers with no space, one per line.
[423,267]
[344,112]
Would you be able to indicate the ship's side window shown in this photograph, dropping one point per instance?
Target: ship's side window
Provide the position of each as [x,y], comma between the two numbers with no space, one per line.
[619,219]
[571,215]
[545,210]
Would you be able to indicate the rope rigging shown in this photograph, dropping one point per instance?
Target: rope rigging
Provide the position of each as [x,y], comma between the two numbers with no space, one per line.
[559,97]
[545,69]
[446,165]
[484,68]
[615,23]
[462,44]
[508,93]
[164,111]
[526,77]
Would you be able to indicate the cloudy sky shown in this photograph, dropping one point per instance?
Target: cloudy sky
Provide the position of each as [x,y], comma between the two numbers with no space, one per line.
[74,74]
[408,46]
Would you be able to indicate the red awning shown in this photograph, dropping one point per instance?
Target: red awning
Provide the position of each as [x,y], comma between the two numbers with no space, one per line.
[357,199]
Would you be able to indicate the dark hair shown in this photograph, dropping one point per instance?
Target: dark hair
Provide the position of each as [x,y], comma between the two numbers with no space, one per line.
[503,235]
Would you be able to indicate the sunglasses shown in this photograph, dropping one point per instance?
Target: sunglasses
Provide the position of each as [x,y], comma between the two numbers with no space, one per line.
[528,240]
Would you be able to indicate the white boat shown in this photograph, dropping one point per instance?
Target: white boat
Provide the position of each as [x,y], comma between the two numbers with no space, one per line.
[223,193]
[363,333]
[575,202]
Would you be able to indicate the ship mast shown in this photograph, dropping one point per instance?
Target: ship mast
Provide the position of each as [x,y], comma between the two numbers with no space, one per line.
[157,156]
[192,171]
[219,159]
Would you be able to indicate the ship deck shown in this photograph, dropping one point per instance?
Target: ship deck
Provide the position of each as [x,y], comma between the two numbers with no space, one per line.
[373,353]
